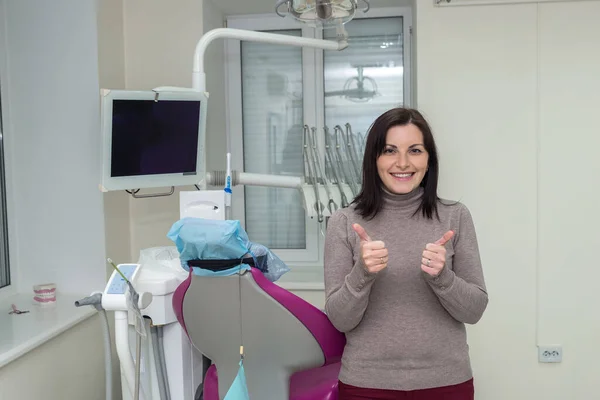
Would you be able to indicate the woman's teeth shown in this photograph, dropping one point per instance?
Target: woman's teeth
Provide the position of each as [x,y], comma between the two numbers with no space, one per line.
[402,175]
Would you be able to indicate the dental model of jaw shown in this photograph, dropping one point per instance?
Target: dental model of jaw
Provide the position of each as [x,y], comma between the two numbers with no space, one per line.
[44,294]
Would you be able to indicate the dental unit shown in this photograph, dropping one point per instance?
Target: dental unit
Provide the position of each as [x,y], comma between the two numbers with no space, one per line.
[179,320]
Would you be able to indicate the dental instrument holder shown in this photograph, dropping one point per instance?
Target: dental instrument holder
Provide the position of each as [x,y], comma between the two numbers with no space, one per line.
[303,184]
[324,188]
[114,295]
[323,196]
[114,298]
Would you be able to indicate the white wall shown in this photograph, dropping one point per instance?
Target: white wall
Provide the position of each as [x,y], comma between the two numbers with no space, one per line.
[52,142]
[158,57]
[163,57]
[67,367]
[53,168]
[111,70]
[569,61]
[503,87]
[216,139]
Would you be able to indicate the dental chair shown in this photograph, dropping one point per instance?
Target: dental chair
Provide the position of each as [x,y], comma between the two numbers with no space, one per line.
[291,350]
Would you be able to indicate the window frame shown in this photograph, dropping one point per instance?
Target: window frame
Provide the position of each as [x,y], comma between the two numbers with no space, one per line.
[235,120]
[6,240]
[4,245]
[310,259]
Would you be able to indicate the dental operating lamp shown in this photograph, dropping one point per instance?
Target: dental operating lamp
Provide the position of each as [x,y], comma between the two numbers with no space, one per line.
[320,13]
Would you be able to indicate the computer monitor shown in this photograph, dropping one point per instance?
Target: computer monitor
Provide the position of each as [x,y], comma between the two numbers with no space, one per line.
[152,138]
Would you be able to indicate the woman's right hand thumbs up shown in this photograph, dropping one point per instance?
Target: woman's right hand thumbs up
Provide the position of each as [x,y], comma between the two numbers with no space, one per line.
[373,252]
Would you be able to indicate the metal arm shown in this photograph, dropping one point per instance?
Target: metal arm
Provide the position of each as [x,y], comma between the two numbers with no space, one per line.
[198,74]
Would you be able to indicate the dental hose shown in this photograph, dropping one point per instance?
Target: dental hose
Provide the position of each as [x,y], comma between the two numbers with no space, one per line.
[163,362]
[163,383]
[138,360]
[96,301]
[108,355]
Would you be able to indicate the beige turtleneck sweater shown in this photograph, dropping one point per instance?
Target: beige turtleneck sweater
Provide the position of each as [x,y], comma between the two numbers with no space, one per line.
[405,330]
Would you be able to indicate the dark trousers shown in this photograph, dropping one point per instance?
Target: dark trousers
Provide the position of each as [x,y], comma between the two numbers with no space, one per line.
[462,391]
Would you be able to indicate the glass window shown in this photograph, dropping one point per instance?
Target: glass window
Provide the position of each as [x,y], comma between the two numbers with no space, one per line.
[367,78]
[361,83]
[272,115]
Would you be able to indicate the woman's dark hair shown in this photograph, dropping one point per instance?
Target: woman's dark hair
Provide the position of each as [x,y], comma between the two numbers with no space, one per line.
[370,199]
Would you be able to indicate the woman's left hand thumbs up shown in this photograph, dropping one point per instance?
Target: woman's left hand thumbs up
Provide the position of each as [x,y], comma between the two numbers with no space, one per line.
[434,255]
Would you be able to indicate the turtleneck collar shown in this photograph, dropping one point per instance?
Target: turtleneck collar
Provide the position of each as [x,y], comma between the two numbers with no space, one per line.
[405,201]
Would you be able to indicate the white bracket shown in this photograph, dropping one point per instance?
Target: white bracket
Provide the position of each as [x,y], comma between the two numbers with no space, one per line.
[329,197]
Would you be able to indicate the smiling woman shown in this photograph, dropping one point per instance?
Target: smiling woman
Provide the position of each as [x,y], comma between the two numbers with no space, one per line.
[400,156]
[400,258]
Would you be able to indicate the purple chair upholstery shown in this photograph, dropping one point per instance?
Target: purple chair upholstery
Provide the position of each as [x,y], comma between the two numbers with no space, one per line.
[271,316]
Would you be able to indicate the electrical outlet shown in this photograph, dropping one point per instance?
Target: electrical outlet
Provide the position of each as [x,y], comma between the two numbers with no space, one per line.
[550,354]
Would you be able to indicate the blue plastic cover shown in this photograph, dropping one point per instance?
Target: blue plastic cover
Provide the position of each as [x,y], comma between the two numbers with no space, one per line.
[206,239]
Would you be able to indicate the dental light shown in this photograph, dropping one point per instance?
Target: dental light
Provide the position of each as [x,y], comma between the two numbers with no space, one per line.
[321,13]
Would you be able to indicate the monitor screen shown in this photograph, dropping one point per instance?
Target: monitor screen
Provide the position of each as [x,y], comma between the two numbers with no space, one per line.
[154,137]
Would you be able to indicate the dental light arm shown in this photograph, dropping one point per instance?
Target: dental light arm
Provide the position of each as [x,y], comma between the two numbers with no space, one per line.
[199,76]
[199,83]
[230,178]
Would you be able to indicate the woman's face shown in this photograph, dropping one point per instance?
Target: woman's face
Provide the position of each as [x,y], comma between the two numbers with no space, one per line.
[403,163]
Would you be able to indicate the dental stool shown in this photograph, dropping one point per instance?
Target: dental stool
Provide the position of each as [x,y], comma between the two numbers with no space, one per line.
[291,350]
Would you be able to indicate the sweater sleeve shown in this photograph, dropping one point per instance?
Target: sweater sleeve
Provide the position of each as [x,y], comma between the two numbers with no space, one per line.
[347,284]
[461,290]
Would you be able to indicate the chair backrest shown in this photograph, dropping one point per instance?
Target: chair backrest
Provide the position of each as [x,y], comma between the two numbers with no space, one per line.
[281,333]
